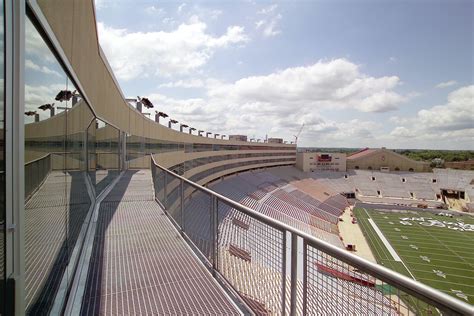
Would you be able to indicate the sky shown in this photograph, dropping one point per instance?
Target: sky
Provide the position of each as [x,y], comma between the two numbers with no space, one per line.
[398,74]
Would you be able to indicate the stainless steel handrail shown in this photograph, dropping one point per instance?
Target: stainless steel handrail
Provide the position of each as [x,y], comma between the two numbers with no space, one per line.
[37,159]
[423,292]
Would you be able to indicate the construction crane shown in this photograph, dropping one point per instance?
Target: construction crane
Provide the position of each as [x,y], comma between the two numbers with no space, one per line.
[297,135]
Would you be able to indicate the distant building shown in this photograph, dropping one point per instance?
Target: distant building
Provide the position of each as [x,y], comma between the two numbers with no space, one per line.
[242,138]
[383,159]
[465,165]
[309,161]
[275,140]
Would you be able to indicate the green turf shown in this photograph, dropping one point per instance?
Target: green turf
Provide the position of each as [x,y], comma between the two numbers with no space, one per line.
[449,251]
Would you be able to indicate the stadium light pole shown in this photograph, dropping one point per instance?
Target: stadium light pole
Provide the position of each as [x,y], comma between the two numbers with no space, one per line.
[191,129]
[208,133]
[171,122]
[158,115]
[216,135]
[200,133]
[182,126]
[222,136]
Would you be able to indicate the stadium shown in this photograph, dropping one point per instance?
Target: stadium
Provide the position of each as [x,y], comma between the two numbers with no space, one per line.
[111,211]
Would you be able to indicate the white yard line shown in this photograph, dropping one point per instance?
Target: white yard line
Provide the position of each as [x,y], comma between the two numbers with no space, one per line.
[387,244]
[385,241]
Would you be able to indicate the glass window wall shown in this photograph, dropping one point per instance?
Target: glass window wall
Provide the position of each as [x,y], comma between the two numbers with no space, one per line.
[67,150]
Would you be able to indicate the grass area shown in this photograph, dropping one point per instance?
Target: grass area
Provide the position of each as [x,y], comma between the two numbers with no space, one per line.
[437,256]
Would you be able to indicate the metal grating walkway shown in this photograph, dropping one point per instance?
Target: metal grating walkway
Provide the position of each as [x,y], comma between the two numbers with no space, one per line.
[141,265]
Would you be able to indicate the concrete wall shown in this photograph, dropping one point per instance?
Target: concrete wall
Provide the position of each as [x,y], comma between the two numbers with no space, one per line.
[387,158]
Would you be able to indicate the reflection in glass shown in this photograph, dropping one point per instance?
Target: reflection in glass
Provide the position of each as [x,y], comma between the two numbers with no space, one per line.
[106,155]
[56,195]
[2,167]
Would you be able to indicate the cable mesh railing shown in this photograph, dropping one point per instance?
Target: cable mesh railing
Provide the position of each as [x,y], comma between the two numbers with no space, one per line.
[36,172]
[276,269]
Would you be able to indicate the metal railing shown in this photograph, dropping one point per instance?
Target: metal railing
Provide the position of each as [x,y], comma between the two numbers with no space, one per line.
[277,269]
[36,172]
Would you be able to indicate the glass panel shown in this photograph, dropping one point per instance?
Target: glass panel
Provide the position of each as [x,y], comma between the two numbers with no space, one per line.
[2,167]
[56,196]
[107,155]
[78,203]
[46,197]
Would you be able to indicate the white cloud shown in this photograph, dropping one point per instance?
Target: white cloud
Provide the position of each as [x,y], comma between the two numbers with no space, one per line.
[401,131]
[103,4]
[278,103]
[168,20]
[269,25]
[29,64]
[332,84]
[155,11]
[189,83]
[259,24]
[456,114]
[187,48]
[214,14]
[35,45]
[270,28]
[453,121]
[36,95]
[446,84]
[268,10]
[181,7]
[382,101]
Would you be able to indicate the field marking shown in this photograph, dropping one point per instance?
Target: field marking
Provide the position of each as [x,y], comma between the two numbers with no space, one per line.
[432,250]
[449,237]
[434,258]
[438,241]
[448,249]
[441,281]
[448,273]
[382,255]
[425,244]
[384,240]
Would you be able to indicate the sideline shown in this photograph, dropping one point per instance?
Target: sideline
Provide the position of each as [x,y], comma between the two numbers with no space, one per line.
[387,244]
[384,240]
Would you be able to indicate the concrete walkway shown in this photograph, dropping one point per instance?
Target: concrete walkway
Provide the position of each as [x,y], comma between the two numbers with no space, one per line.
[141,265]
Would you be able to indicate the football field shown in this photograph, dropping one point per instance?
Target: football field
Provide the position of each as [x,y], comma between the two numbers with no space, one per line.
[434,249]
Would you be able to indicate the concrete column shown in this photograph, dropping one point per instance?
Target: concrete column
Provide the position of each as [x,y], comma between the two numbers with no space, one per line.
[139,106]
[52,111]
[37,118]
[74,100]
[157,118]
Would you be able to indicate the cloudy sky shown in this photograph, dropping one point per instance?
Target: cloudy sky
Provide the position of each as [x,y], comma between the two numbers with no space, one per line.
[357,73]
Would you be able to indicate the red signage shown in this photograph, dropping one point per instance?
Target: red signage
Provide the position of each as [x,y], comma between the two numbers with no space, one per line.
[324,157]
